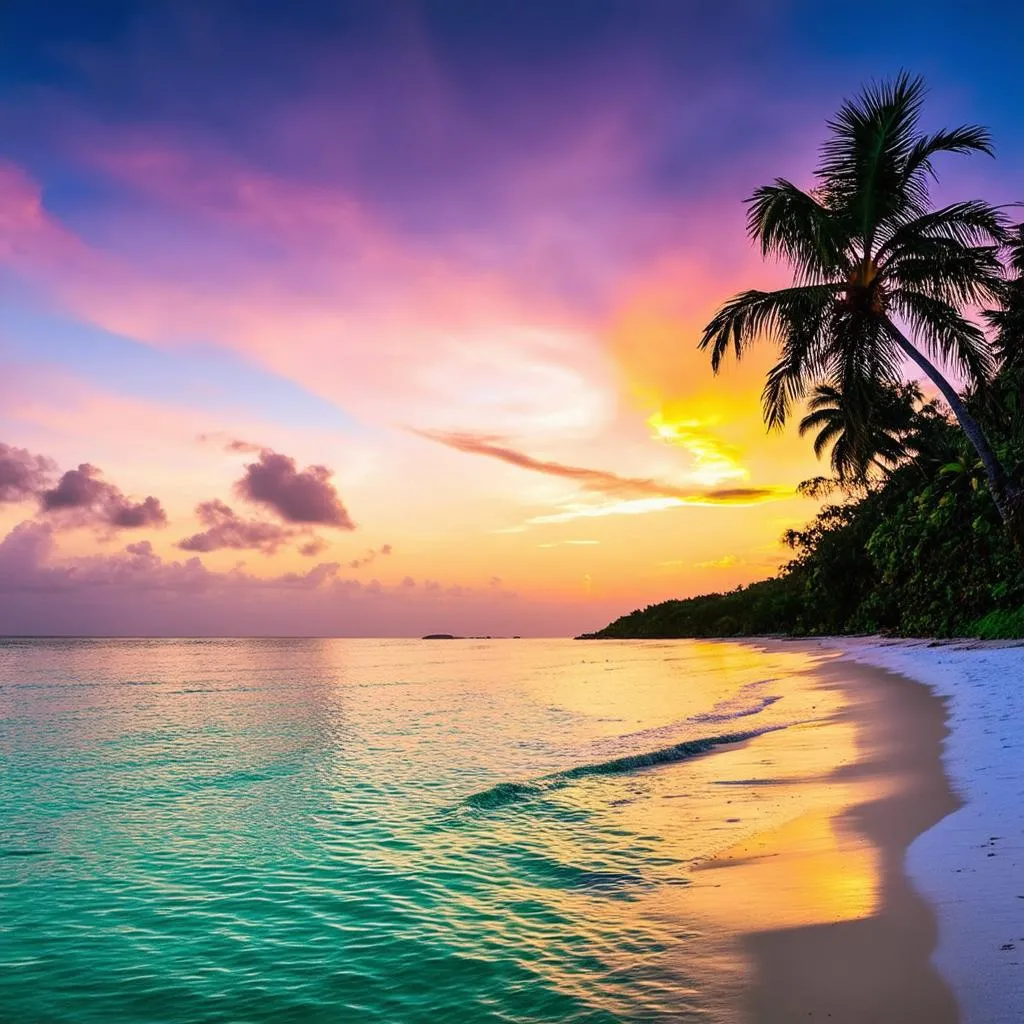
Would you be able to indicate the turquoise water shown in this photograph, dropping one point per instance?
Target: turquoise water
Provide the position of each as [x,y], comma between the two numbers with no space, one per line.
[333,830]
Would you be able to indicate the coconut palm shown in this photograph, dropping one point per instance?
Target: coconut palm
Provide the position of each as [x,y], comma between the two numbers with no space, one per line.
[860,442]
[1007,322]
[874,264]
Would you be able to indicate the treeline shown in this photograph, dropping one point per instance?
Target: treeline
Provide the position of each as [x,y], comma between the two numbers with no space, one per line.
[922,532]
[916,549]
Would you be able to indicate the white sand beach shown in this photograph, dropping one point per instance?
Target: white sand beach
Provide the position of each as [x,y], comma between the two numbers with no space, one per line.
[970,866]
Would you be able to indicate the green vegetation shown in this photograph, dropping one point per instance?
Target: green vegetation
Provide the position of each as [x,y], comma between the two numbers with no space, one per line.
[1000,625]
[922,532]
[917,550]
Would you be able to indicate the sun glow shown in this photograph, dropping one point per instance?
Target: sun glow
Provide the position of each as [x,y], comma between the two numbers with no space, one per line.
[714,461]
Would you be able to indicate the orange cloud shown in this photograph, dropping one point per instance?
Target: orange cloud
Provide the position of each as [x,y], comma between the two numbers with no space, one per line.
[725,562]
[603,481]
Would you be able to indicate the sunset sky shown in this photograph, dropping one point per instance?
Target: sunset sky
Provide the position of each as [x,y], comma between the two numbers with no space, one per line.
[372,318]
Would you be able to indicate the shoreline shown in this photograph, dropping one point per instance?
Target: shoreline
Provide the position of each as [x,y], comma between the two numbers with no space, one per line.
[827,921]
[876,967]
[970,865]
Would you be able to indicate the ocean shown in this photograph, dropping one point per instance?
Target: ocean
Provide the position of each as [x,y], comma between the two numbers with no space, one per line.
[306,830]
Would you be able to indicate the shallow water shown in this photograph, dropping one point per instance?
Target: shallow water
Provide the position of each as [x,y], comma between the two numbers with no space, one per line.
[331,830]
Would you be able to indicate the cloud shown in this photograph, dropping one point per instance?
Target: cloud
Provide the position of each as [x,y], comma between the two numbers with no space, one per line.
[247,447]
[22,474]
[640,506]
[725,562]
[234,445]
[579,510]
[148,512]
[313,547]
[226,529]
[370,556]
[714,460]
[136,592]
[603,481]
[86,497]
[77,488]
[305,496]
[27,564]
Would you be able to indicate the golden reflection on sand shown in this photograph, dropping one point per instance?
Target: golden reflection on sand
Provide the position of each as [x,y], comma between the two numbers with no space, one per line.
[813,917]
[808,871]
[814,868]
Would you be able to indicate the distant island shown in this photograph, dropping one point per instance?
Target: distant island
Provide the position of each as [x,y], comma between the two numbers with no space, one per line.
[451,636]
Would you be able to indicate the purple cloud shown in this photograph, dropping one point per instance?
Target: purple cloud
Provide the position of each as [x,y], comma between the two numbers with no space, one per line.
[313,547]
[136,592]
[305,496]
[89,498]
[244,447]
[371,556]
[226,529]
[148,512]
[27,565]
[22,474]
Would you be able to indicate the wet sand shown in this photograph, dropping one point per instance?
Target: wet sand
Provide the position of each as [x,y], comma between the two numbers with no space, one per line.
[875,969]
[832,928]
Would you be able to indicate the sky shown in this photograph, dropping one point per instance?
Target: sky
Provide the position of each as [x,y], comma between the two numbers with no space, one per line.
[350,318]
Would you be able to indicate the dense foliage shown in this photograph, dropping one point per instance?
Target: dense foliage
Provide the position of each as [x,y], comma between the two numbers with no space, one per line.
[923,532]
[915,550]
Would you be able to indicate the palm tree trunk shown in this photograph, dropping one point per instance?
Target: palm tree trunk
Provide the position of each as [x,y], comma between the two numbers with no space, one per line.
[1009,500]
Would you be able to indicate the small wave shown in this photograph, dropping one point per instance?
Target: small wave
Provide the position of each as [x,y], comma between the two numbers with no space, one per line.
[508,793]
[741,705]
[667,755]
[749,700]
[562,875]
[503,794]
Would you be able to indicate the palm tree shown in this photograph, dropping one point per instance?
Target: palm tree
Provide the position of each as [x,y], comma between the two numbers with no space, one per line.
[861,440]
[1007,322]
[873,260]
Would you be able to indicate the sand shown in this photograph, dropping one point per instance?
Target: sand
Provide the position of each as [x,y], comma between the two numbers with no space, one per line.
[875,968]
[970,866]
[829,926]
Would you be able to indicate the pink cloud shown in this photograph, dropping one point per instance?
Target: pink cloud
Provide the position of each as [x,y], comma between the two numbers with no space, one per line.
[348,309]
[371,556]
[22,474]
[297,496]
[226,529]
[600,480]
[83,495]
[135,591]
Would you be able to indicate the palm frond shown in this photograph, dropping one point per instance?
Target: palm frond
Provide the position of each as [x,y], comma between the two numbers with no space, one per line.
[755,313]
[791,224]
[946,333]
[972,222]
[967,138]
[945,270]
[862,427]
[862,163]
